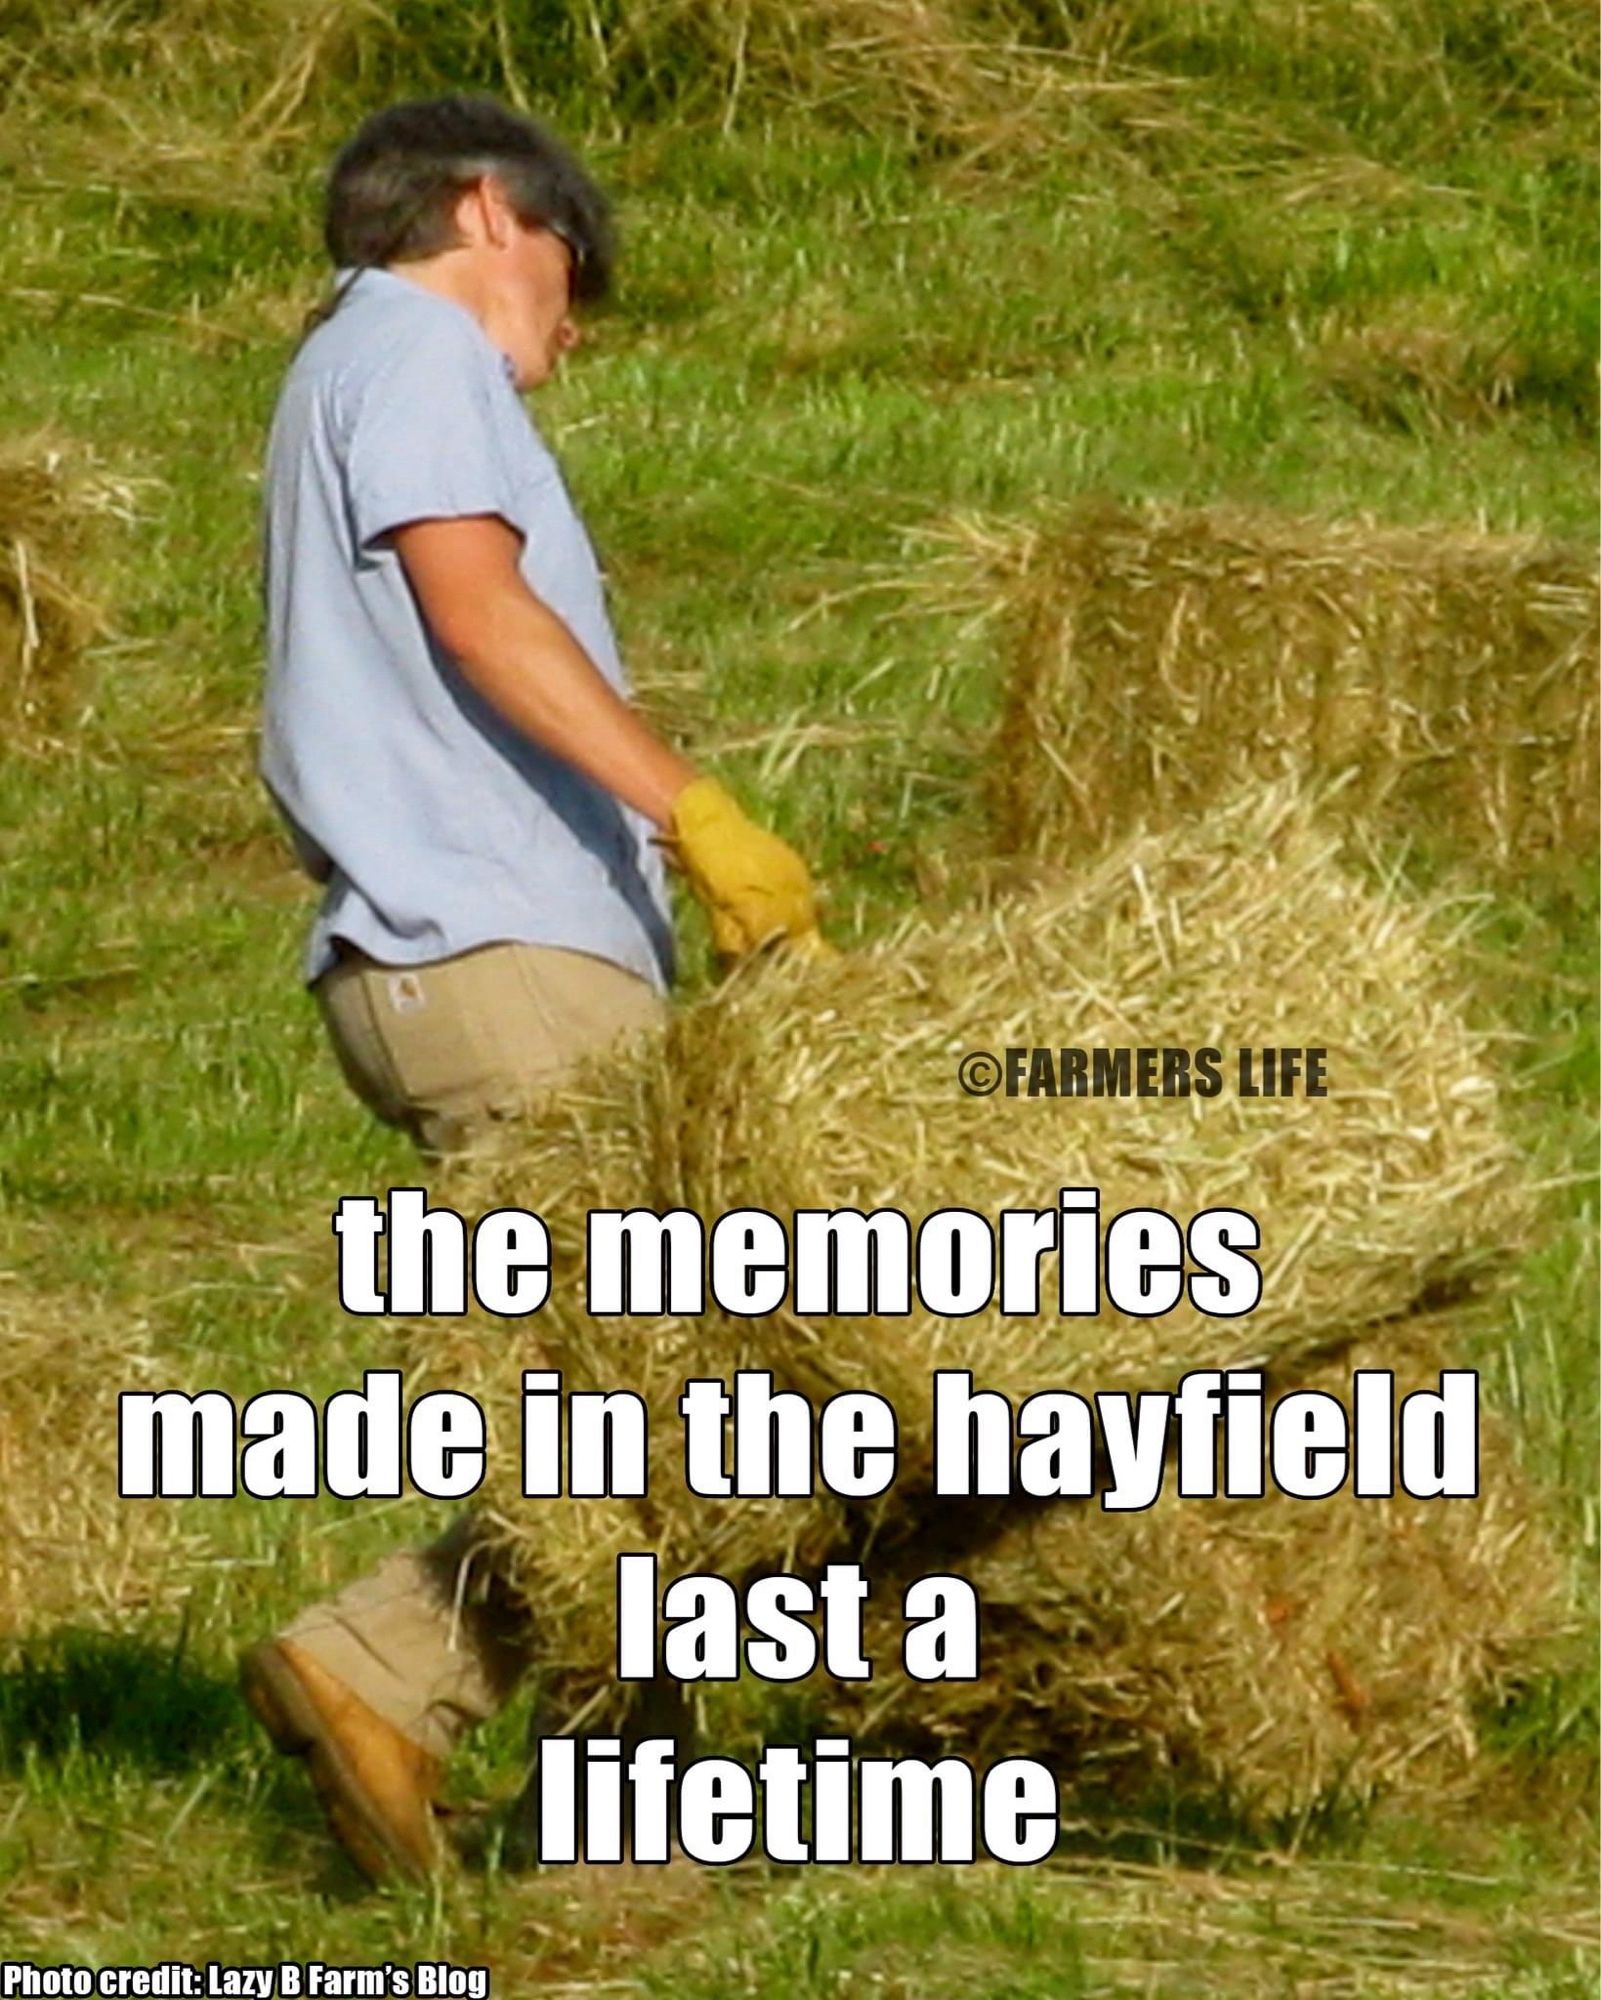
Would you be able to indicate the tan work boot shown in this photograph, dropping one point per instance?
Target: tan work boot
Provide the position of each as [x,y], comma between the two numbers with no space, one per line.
[375,1785]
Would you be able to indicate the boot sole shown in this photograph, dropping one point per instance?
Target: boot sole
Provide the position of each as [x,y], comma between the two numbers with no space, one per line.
[275,1695]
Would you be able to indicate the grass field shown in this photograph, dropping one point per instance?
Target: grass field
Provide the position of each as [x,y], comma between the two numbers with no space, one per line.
[886,265]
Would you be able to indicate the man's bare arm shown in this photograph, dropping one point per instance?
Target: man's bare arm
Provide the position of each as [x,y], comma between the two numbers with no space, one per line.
[530,669]
[515,652]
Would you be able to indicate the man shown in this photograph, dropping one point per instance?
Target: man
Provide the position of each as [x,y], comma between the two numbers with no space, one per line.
[449,738]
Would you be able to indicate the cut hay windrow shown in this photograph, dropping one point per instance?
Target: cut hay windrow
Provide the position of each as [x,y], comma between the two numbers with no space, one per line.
[833,1085]
[1160,655]
[190,94]
[1284,1652]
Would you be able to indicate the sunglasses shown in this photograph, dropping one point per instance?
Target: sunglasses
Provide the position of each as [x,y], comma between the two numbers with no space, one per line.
[575,255]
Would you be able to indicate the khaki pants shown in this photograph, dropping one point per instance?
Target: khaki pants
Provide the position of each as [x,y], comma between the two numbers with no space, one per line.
[451,1052]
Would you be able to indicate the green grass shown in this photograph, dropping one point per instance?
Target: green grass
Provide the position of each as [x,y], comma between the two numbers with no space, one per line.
[836,330]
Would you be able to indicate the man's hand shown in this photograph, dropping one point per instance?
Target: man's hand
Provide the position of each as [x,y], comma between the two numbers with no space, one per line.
[755,887]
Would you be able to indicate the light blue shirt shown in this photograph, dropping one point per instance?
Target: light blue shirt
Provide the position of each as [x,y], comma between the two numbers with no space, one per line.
[435,826]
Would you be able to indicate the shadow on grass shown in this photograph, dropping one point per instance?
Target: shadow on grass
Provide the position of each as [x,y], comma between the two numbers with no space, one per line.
[1194,1825]
[79,1693]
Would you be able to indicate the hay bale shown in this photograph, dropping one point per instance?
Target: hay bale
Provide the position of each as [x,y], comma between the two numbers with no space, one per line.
[1284,1653]
[44,622]
[830,1087]
[833,1085]
[594,1147]
[1160,655]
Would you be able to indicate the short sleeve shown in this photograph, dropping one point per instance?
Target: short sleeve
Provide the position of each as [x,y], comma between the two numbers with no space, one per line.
[431,437]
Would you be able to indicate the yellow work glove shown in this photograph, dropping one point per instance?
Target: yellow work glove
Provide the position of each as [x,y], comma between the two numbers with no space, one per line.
[754,886]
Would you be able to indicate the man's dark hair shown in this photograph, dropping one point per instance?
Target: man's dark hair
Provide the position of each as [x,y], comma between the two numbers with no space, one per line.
[393,189]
